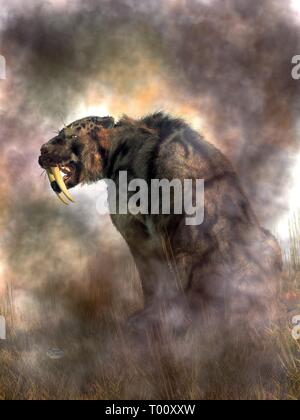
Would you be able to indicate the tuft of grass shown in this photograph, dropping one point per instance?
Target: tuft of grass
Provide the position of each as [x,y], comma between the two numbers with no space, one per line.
[102,361]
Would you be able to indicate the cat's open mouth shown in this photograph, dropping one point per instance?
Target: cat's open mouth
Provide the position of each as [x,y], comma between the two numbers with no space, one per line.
[59,183]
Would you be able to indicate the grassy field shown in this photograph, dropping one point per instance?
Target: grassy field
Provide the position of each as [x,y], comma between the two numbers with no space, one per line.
[73,345]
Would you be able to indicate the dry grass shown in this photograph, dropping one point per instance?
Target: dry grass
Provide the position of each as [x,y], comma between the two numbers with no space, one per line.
[101,361]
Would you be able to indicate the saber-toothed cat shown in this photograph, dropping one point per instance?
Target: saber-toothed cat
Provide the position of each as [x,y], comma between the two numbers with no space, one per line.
[229,265]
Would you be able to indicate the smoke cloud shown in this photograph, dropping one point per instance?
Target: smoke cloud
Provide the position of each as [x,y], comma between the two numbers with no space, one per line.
[223,65]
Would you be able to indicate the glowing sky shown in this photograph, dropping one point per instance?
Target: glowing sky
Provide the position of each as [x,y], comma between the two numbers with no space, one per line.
[294,195]
[295,4]
[282,230]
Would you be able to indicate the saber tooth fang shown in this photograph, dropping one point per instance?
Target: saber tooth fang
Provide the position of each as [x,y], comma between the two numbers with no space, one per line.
[62,199]
[60,196]
[60,182]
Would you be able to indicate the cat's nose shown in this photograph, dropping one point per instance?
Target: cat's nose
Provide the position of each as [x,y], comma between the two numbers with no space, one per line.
[44,150]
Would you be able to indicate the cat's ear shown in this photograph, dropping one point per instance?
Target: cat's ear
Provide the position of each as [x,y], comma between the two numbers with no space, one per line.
[105,122]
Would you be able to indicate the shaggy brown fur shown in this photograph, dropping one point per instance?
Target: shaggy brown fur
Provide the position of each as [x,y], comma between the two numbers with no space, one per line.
[227,267]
